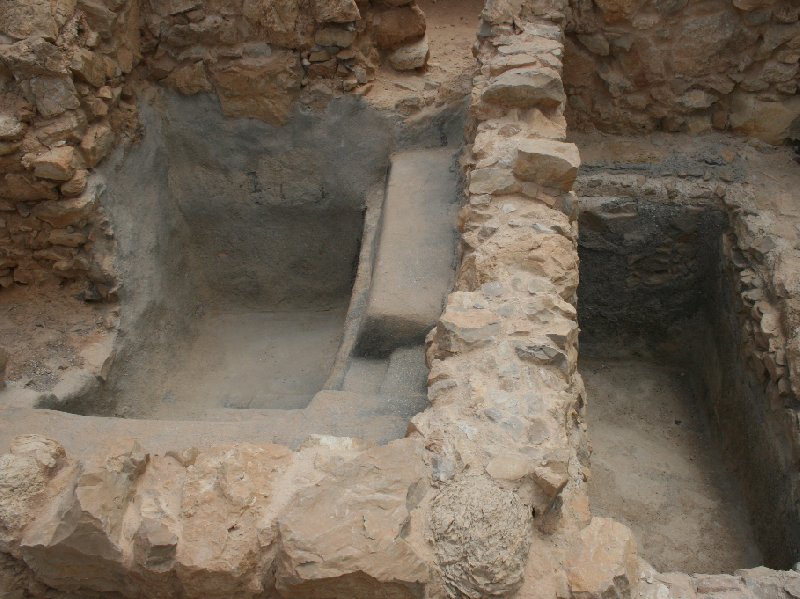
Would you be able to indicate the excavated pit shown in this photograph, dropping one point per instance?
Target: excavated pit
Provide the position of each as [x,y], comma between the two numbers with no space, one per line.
[678,432]
[285,273]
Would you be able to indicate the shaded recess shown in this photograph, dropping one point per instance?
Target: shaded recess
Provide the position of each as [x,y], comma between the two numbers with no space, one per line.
[683,449]
[248,252]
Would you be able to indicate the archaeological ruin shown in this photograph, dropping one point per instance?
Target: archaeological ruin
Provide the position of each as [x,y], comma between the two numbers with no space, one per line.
[344,299]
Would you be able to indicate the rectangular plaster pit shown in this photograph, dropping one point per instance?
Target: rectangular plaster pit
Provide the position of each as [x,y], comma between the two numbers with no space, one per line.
[272,276]
[658,357]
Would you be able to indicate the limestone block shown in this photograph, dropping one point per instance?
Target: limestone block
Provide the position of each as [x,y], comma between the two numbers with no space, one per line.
[346,536]
[53,95]
[410,56]
[769,121]
[11,128]
[90,67]
[97,143]
[20,19]
[56,164]
[394,26]
[69,126]
[34,57]
[548,163]
[482,535]
[228,540]
[603,562]
[529,87]
[190,79]
[68,212]
[25,472]
[336,11]
[542,351]
[501,12]
[67,238]
[76,184]
[101,19]
[258,87]
[334,36]
[76,543]
[284,21]
[461,328]
[492,180]
[25,188]
[763,582]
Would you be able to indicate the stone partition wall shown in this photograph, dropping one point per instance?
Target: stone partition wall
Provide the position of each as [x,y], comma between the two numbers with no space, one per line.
[644,65]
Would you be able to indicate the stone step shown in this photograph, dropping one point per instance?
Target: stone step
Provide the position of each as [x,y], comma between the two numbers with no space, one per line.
[416,252]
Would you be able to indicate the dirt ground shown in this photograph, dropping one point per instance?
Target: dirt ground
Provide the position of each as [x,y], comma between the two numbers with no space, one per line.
[44,328]
[451,27]
[656,469]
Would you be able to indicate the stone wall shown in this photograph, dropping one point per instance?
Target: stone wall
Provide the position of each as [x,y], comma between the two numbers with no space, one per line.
[67,73]
[643,65]
[485,496]
[258,55]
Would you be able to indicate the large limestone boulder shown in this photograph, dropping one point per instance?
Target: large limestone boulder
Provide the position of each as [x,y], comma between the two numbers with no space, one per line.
[482,535]
[347,536]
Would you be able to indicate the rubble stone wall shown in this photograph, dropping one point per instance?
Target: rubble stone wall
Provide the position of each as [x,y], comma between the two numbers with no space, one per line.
[66,98]
[63,106]
[644,65]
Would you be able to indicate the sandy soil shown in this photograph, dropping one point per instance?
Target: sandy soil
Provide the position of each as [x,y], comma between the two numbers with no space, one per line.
[451,27]
[44,329]
[656,469]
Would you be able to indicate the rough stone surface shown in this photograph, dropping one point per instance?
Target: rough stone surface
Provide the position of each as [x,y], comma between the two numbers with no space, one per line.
[604,562]
[410,56]
[482,534]
[549,163]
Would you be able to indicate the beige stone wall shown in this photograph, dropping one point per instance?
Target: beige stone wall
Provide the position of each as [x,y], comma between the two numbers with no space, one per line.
[638,65]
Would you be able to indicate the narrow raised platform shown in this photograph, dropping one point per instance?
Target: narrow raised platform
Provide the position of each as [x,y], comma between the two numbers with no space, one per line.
[416,251]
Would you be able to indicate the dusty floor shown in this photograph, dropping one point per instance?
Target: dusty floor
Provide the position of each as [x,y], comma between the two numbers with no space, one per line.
[451,26]
[656,469]
[253,360]
[44,329]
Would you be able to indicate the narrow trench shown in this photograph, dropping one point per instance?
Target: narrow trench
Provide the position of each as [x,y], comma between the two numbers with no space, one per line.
[650,310]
